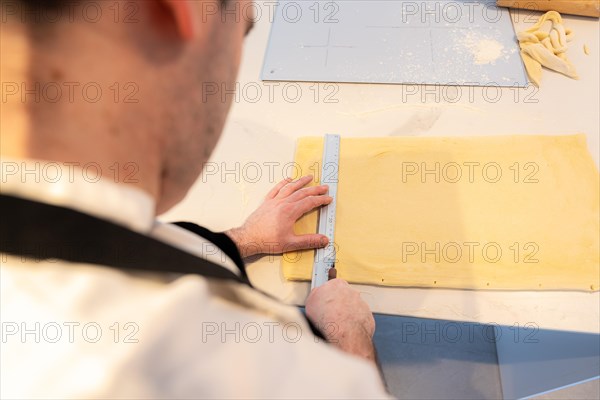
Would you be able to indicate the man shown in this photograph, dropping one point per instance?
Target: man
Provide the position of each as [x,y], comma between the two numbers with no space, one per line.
[135,308]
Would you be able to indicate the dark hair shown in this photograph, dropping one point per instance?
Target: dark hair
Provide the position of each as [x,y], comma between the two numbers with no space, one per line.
[58,4]
[61,3]
[44,4]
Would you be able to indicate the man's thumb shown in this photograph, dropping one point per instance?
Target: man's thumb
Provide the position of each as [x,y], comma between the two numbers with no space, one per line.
[310,241]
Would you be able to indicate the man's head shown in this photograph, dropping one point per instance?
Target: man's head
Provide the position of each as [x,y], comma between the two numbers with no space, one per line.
[151,62]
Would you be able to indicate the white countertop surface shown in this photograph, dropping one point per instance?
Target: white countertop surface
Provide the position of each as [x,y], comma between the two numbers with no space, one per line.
[265,121]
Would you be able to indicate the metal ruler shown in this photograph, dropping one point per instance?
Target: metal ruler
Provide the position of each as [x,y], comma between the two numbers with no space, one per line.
[325,257]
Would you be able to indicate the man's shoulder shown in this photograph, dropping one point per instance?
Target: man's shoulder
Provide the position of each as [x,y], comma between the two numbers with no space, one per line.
[176,335]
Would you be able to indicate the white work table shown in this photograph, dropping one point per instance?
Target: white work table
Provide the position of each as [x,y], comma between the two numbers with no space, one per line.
[262,133]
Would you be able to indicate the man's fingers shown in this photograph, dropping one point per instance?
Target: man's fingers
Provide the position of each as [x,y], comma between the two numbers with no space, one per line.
[309,241]
[332,273]
[307,191]
[273,192]
[293,186]
[309,203]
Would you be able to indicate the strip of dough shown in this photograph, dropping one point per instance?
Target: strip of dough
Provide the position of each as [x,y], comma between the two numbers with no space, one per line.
[540,48]
[407,206]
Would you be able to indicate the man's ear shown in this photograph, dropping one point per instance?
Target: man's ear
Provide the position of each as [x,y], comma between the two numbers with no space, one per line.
[184,17]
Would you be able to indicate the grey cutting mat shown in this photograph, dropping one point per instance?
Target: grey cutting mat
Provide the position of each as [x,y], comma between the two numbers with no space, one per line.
[460,42]
[534,361]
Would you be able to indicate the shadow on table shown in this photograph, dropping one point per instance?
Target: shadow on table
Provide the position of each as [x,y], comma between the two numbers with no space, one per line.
[437,359]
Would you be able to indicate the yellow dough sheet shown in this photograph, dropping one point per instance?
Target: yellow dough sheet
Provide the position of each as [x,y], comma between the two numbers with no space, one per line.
[496,212]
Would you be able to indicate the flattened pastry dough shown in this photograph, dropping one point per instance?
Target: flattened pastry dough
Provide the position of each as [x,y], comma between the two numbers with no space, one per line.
[506,212]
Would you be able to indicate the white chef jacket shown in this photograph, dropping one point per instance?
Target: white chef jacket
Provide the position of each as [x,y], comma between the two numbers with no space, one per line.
[87,331]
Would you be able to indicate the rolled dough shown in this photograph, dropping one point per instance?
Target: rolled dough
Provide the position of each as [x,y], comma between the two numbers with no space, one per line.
[541,48]
[506,212]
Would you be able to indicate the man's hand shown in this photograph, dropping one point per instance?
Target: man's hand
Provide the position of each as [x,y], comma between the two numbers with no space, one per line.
[270,229]
[343,317]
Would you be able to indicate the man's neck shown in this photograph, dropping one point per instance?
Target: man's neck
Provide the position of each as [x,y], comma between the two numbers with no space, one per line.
[73,112]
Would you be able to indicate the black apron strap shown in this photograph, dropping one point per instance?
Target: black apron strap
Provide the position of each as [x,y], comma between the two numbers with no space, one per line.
[223,241]
[42,231]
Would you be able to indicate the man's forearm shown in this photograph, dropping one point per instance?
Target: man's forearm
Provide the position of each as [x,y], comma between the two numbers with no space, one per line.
[244,244]
[354,341]
[359,344]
